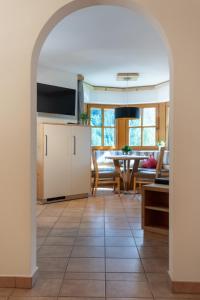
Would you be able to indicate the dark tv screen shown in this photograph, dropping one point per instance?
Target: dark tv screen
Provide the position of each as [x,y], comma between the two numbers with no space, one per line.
[55,100]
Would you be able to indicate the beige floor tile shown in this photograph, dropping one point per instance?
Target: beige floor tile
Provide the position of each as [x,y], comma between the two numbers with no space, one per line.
[63,232]
[42,232]
[85,276]
[40,241]
[88,225]
[72,213]
[119,241]
[127,289]
[123,265]
[67,225]
[31,298]
[50,275]
[138,277]
[130,298]
[59,240]
[138,232]
[122,252]
[142,241]
[79,298]
[46,221]
[89,241]
[86,265]
[134,220]
[54,251]
[39,209]
[61,204]
[83,288]
[93,219]
[153,252]
[73,219]
[48,264]
[82,224]
[52,212]
[117,219]
[93,212]
[135,225]
[118,232]
[88,251]
[4,292]
[91,232]
[116,225]
[43,287]
[155,265]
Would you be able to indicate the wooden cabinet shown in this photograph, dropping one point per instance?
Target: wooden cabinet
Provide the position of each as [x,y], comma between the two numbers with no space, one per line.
[155,208]
[63,162]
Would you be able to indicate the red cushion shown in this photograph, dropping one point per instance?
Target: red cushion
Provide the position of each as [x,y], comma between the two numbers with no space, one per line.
[149,163]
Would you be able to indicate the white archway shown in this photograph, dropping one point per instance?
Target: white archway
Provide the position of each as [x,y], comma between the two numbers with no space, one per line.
[23,32]
[63,12]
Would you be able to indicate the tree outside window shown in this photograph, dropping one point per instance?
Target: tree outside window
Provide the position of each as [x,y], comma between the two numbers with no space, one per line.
[142,132]
[102,121]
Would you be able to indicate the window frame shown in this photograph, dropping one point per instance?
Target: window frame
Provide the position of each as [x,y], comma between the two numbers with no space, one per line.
[141,126]
[122,128]
[103,107]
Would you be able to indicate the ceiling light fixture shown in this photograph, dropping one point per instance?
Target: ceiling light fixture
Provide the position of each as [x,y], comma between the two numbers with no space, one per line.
[127,76]
[127,111]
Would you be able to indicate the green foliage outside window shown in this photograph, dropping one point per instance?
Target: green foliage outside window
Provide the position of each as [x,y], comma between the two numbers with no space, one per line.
[102,122]
[142,132]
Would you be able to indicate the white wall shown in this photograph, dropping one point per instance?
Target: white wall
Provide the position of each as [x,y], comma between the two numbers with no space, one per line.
[137,95]
[59,78]
[181,22]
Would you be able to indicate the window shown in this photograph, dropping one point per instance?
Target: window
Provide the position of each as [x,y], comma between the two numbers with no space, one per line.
[142,132]
[102,121]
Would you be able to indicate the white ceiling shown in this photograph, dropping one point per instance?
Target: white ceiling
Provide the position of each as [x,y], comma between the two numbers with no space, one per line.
[101,41]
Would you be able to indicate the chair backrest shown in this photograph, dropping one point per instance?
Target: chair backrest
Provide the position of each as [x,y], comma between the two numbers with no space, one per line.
[160,161]
[94,160]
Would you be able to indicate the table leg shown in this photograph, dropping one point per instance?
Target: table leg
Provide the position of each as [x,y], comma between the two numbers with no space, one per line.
[135,170]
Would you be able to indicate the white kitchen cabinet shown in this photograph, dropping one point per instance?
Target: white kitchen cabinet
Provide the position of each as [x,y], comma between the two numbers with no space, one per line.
[63,162]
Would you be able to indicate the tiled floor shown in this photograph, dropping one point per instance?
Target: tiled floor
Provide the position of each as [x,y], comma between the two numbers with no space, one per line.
[95,248]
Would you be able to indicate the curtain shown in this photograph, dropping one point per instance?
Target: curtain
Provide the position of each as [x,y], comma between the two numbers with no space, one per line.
[80,97]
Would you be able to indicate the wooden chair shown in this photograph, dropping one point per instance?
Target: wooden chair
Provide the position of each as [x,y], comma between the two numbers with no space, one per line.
[104,177]
[146,176]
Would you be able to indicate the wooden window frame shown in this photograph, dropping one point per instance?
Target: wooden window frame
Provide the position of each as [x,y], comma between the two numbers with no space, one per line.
[102,107]
[122,126]
[156,126]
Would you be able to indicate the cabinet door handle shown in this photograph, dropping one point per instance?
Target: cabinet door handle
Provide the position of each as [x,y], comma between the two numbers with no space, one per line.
[46,145]
[74,139]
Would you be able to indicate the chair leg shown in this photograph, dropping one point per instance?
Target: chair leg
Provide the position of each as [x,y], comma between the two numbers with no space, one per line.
[118,185]
[95,187]
[140,187]
[134,184]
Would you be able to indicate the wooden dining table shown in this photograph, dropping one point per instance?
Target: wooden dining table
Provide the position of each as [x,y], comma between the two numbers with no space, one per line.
[126,173]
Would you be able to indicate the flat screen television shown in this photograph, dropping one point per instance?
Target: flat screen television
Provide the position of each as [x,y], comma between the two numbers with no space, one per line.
[55,100]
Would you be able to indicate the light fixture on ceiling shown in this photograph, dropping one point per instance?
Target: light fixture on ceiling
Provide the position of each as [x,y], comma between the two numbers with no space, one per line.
[127,111]
[127,76]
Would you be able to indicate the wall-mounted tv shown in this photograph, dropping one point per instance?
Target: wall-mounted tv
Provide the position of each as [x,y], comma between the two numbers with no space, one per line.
[55,100]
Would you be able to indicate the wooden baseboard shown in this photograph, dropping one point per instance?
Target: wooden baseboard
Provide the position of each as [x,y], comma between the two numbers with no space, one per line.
[185,287]
[18,282]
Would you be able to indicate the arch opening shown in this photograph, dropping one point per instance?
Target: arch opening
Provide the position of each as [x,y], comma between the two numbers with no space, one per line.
[50,25]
